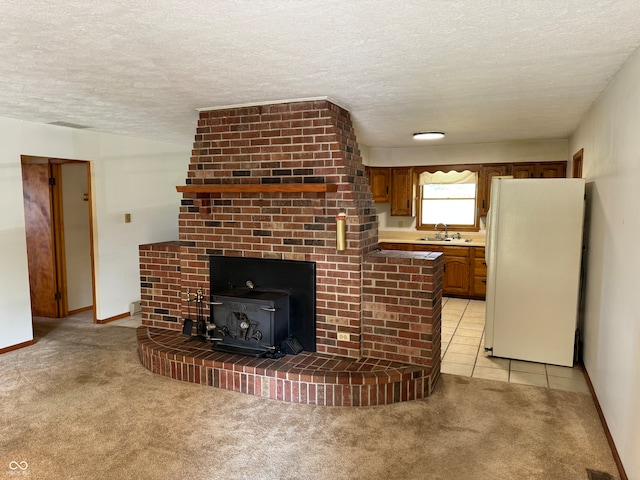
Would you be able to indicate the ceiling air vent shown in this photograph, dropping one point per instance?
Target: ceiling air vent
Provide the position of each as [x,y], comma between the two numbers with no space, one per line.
[68,124]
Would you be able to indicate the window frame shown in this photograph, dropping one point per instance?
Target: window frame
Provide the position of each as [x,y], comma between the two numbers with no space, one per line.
[447,168]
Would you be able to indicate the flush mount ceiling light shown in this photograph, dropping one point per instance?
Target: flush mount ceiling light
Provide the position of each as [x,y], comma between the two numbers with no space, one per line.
[428,135]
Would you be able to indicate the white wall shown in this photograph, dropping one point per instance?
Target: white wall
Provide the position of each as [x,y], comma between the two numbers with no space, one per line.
[138,177]
[77,241]
[129,175]
[609,134]
[15,310]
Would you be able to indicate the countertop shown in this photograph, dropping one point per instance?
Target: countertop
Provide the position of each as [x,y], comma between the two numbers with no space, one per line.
[413,237]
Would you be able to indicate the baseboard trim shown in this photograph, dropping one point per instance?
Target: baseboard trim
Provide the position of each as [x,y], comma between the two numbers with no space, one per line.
[612,445]
[17,346]
[113,319]
[80,310]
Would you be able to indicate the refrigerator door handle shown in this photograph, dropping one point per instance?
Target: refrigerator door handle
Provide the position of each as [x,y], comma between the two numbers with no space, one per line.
[487,237]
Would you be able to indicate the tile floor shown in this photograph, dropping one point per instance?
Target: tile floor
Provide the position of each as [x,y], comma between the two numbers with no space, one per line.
[463,353]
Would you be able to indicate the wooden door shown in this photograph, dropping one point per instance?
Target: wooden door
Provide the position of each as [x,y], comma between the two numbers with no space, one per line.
[44,239]
[41,248]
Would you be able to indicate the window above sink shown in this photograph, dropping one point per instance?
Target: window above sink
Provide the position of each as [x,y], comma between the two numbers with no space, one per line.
[447,198]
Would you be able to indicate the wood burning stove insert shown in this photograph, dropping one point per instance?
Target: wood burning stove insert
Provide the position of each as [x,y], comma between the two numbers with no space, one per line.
[261,307]
[249,322]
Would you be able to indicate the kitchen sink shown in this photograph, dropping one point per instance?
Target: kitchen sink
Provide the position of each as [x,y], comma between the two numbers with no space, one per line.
[447,239]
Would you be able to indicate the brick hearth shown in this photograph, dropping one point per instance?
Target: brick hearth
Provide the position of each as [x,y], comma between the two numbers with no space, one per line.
[310,378]
[268,181]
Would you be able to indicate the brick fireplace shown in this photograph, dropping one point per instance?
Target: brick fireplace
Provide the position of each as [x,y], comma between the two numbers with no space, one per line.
[268,181]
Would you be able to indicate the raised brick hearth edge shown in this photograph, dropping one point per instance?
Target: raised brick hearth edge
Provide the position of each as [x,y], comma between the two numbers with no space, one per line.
[307,378]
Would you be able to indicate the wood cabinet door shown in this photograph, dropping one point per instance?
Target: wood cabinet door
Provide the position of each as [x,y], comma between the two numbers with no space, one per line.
[456,275]
[479,273]
[484,186]
[552,169]
[539,170]
[402,191]
[479,287]
[523,170]
[379,181]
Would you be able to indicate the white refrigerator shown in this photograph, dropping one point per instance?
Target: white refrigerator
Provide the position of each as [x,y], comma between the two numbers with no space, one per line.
[533,255]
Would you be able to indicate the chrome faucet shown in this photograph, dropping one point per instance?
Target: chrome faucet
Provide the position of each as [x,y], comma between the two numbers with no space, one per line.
[446,231]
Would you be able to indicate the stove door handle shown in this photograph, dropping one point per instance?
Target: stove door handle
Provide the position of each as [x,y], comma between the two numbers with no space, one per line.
[268,309]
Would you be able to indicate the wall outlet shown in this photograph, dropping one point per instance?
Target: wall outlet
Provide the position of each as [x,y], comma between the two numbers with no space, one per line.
[400,223]
[343,336]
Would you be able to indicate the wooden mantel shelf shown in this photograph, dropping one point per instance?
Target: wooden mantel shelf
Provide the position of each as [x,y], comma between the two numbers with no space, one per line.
[260,188]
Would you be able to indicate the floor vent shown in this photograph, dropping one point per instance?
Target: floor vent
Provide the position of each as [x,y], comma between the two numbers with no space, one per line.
[135,308]
[595,475]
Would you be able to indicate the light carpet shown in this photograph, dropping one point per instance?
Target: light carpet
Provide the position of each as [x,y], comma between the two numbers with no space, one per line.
[79,405]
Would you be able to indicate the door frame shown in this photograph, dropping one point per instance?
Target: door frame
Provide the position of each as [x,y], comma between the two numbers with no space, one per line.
[576,164]
[57,229]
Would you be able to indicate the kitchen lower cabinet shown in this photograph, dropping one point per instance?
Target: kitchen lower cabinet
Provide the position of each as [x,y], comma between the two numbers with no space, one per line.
[465,272]
[479,273]
[455,279]
[407,247]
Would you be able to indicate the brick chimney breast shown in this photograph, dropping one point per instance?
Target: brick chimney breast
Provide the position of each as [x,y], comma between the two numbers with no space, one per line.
[286,144]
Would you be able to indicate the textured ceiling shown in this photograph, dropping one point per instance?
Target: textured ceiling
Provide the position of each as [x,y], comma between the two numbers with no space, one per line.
[483,71]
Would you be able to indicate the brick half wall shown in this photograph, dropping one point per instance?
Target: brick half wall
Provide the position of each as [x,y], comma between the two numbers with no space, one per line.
[401,307]
[160,285]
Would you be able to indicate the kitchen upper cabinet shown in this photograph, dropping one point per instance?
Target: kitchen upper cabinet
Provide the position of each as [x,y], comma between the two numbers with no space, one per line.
[517,170]
[396,184]
[552,170]
[487,172]
[539,170]
[402,191]
[380,183]
[523,170]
